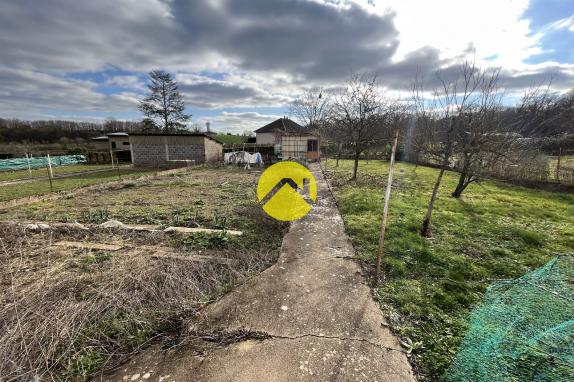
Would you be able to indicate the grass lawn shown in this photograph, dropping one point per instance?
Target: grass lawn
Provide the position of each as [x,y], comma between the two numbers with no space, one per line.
[495,231]
[57,170]
[40,187]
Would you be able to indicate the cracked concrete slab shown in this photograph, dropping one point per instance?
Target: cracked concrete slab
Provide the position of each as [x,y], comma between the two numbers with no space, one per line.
[315,308]
[303,359]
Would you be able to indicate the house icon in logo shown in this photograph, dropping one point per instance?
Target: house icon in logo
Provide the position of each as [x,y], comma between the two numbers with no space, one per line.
[287,191]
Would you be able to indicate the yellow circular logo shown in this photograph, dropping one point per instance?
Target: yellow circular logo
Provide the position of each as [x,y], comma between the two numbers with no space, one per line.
[286,190]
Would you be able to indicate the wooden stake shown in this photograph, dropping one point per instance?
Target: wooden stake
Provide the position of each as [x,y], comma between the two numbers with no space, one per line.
[558,165]
[117,166]
[49,168]
[386,209]
[28,160]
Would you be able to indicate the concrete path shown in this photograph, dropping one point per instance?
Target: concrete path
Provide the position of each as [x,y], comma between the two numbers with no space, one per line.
[310,317]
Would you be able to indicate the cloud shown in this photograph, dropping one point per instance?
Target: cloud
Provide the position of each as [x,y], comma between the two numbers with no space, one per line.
[491,27]
[68,35]
[565,23]
[238,122]
[205,92]
[264,51]
[280,35]
[129,82]
[29,92]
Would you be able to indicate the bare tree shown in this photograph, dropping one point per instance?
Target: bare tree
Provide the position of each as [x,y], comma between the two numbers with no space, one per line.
[481,137]
[356,115]
[335,134]
[440,118]
[196,127]
[163,107]
[312,107]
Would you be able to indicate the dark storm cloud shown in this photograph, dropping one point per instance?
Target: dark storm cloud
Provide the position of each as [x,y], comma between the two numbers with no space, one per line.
[295,42]
[69,35]
[207,93]
[559,77]
[35,93]
[309,39]
[299,37]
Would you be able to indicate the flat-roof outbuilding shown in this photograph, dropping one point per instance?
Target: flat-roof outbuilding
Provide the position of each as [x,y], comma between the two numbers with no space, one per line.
[174,149]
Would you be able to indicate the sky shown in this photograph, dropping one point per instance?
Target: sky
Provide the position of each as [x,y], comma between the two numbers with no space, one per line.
[240,63]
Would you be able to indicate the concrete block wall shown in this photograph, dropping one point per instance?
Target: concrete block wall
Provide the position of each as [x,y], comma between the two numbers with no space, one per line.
[148,154]
[192,152]
[164,150]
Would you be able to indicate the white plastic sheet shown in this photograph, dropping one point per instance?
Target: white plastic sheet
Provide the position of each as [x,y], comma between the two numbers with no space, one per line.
[243,158]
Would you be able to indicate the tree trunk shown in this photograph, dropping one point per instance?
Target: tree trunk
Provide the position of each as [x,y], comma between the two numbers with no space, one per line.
[355,165]
[338,155]
[425,228]
[460,187]
[164,99]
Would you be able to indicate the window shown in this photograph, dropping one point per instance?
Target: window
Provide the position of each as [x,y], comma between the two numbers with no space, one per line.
[113,145]
[126,143]
[312,145]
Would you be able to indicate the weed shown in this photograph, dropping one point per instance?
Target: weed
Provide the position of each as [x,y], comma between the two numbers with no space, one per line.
[98,258]
[82,365]
[95,216]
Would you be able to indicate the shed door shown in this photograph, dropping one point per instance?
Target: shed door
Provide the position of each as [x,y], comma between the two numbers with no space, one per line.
[312,145]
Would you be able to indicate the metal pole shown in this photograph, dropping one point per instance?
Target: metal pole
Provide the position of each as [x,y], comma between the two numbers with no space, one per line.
[386,209]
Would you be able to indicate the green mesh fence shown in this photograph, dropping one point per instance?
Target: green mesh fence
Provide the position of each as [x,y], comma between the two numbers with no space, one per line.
[38,162]
[524,331]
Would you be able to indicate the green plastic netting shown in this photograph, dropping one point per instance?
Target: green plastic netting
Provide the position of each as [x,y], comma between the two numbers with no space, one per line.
[38,162]
[524,330]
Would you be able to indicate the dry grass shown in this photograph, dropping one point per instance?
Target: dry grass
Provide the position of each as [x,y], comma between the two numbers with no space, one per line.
[66,313]
[66,316]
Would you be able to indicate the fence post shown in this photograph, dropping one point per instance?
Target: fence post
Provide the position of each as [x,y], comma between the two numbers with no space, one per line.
[29,168]
[112,157]
[558,165]
[117,166]
[386,209]
[49,168]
